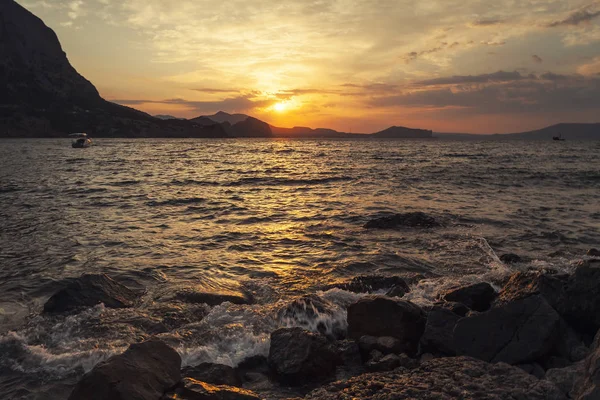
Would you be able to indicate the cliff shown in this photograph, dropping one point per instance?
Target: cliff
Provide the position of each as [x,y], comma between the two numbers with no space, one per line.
[44,96]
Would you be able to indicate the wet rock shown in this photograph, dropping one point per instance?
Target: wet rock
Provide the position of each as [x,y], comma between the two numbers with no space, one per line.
[215,374]
[390,362]
[191,389]
[457,308]
[297,356]
[593,253]
[88,291]
[411,220]
[438,336]
[313,313]
[385,344]
[395,285]
[348,352]
[385,316]
[524,284]
[477,297]
[565,378]
[143,372]
[443,378]
[534,369]
[214,298]
[587,386]
[510,258]
[518,332]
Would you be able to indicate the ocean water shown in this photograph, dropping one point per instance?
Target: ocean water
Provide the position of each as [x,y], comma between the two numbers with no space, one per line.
[275,218]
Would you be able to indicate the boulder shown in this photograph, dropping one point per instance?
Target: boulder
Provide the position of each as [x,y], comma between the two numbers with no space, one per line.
[477,297]
[395,285]
[587,386]
[88,291]
[144,372]
[312,312]
[386,316]
[391,362]
[565,378]
[518,332]
[191,389]
[534,369]
[510,258]
[298,356]
[443,378]
[438,336]
[411,220]
[457,308]
[215,374]
[214,298]
[385,344]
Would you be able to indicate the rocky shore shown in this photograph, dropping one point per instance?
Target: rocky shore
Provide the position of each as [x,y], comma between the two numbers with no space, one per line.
[531,335]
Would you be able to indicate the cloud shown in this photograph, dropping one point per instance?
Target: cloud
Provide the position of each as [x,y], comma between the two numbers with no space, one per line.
[590,68]
[213,91]
[499,76]
[581,16]
[537,59]
[233,104]
[487,22]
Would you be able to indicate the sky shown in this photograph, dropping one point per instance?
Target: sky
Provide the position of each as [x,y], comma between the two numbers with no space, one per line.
[473,66]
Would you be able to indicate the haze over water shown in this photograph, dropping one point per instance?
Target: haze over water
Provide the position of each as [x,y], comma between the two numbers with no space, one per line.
[276,218]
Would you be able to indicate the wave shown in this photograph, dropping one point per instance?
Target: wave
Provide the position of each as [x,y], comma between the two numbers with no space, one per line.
[287,181]
[176,202]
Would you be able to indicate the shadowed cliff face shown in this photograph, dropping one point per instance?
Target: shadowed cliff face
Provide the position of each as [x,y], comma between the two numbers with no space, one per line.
[45,96]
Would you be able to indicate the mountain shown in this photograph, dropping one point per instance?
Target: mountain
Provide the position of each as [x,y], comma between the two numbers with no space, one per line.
[251,127]
[568,131]
[304,132]
[221,117]
[402,132]
[166,117]
[44,96]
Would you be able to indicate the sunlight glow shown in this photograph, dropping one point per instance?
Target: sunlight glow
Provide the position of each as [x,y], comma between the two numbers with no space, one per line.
[280,107]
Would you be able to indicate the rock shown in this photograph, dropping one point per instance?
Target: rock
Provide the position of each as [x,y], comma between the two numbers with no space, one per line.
[534,369]
[593,253]
[385,316]
[457,308]
[477,297]
[385,344]
[191,389]
[391,362]
[312,312]
[517,332]
[411,220]
[510,258]
[348,353]
[88,291]
[438,336]
[564,378]
[395,285]
[443,378]
[214,298]
[587,386]
[143,372]
[298,356]
[524,284]
[215,374]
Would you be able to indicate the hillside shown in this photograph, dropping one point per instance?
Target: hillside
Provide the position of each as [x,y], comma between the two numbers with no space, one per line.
[44,96]
[402,132]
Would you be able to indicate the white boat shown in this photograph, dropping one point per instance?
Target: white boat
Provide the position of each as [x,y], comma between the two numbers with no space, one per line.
[80,140]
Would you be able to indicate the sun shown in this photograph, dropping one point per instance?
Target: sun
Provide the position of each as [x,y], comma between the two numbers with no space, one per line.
[280,107]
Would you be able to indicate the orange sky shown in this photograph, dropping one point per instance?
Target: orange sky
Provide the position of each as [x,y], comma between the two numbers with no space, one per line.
[360,66]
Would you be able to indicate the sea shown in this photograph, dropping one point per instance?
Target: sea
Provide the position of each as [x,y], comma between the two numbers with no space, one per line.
[273,219]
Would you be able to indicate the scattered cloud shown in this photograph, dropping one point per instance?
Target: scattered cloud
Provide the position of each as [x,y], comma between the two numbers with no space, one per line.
[537,59]
[583,15]
[233,104]
[499,76]
[487,22]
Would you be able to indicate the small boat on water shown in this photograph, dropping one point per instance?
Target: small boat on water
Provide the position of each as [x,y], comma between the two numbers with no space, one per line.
[80,140]
[558,138]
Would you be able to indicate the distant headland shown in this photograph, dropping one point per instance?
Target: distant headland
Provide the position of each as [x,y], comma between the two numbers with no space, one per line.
[45,96]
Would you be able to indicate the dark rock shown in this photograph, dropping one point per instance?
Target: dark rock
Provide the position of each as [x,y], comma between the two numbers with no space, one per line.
[239,296]
[386,345]
[348,352]
[443,378]
[395,285]
[143,372]
[191,389]
[587,385]
[477,297]
[554,362]
[298,356]
[88,291]
[215,374]
[565,378]
[518,332]
[510,258]
[391,362]
[457,308]
[411,220]
[385,316]
[534,369]
[439,332]
[310,312]
[593,253]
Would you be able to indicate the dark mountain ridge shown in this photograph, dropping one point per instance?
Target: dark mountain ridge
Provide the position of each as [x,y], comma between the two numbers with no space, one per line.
[569,131]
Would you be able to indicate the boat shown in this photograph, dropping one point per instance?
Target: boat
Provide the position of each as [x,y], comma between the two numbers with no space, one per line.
[558,138]
[80,140]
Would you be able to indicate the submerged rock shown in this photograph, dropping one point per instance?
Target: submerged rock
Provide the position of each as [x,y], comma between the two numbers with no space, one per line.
[395,285]
[411,220]
[593,253]
[191,389]
[477,297]
[143,372]
[215,374]
[385,316]
[313,313]
[298,356]
[510,258]
[517,332]
[88,291]
[214,298]
[443,378]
